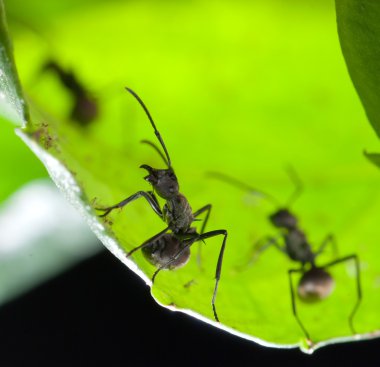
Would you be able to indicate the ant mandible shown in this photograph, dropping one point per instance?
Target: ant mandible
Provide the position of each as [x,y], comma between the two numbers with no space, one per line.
[170,250]
[315,283]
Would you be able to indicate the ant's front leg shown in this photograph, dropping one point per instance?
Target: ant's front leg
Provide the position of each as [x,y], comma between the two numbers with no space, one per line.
[149,196]
[330,239]
[258,247]
[262,245]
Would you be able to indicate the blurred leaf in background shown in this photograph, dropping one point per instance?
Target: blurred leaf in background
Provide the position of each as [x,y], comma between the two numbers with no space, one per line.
[237,87]
[359,34]
[35,220]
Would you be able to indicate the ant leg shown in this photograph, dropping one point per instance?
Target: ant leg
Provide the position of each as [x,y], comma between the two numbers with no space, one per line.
[242,185]
[358,286]
[330,239]
[206,208]
[293,297]
[268,241]
[148,242]
[260,245]
[218,266]
[153,196]
[218,270]
[149,196]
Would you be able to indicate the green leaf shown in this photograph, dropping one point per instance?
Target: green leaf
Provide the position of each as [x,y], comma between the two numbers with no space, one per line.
[253,87]
[13,154]
[359,34]
[373,157]
[12,106]
[40,234]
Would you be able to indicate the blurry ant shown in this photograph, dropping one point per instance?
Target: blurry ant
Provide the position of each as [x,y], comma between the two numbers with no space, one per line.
[85,108]
[170,250]
[315,283]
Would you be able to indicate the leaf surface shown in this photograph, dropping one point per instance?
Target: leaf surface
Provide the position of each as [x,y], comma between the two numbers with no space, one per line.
[245,93]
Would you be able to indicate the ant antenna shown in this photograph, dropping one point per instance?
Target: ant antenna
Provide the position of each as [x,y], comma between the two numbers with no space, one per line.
[233,181]
[298,185]
[154,126]
[157,149]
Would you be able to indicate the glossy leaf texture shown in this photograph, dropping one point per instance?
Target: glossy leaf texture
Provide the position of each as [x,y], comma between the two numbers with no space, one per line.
[251,88]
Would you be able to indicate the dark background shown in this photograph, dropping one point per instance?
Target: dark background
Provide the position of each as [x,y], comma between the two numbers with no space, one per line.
[101,314]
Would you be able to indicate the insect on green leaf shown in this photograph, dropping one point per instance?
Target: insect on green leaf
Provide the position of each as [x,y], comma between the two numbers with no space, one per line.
[231,99]
[359,35]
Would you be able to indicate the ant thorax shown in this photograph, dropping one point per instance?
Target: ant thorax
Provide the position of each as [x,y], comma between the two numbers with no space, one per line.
[177,211]
[178,214]
[297,246]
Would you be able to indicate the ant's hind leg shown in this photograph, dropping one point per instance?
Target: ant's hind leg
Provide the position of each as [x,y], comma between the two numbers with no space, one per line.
[358,286]
[149,196]
[219,263]
[293,298]
[218,271]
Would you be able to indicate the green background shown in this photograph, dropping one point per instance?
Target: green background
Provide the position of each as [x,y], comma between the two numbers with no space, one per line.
[241,87]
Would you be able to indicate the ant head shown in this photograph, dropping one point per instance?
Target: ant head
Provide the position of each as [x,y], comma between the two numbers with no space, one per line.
[164,181]
[283,218]
[315,285]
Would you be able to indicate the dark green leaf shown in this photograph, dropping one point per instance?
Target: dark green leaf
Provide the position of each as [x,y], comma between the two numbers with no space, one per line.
[359,34]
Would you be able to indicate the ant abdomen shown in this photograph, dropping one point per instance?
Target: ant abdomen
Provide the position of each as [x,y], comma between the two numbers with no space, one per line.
[315,285]
[162,253]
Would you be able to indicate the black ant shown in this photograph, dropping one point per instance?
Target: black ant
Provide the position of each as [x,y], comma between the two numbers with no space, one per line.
[85,108]
[170,250]
[315,283]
